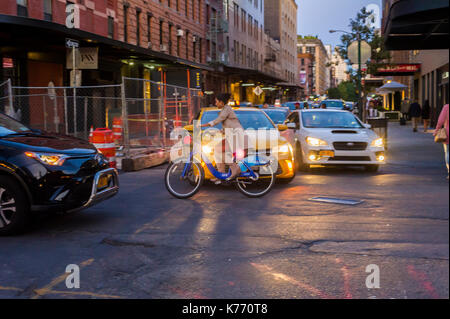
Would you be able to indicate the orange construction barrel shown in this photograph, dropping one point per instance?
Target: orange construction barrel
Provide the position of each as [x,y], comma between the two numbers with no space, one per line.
[117,129]
[103,140]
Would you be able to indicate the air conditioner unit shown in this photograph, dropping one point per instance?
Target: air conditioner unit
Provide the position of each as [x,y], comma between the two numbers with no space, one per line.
[149,45]
[180,33]
[208,59]
[163,48]
[194,38]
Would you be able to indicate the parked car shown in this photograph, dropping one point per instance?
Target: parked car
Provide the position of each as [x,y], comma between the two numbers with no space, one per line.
[277,114]
[333,137]
[41,172]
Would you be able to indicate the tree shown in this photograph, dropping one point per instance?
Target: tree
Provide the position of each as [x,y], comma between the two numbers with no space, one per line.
[345,90]
[362,25]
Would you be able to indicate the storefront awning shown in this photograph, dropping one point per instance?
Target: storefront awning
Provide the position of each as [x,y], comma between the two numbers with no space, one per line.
[416,25]
[35,35]
[251,74]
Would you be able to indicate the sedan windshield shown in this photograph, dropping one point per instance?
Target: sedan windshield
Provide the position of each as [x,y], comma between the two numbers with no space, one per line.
[10,126]
[277,116]
[249,119]
[322,119]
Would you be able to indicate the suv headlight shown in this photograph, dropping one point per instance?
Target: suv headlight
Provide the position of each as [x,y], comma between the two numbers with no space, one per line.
[48,158]
[379,142]
[283,149]
[312,141]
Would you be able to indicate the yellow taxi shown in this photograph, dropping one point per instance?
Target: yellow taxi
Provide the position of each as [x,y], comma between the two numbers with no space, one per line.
[261,131]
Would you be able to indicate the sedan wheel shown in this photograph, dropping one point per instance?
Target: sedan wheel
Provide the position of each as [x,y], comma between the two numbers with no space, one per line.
[13,206]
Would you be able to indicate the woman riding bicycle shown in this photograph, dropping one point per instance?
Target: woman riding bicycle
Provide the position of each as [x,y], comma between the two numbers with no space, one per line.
[233,140]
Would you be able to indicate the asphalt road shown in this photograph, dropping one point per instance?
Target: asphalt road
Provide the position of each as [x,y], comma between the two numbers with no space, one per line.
[145,244]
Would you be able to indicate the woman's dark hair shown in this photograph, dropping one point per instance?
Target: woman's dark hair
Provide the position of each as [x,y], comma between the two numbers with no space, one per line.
[223,97]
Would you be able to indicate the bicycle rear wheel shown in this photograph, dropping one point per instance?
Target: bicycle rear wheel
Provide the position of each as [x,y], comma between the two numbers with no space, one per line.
[258,188]
[185,186]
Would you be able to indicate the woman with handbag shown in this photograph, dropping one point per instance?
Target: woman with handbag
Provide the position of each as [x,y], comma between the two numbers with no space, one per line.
[441,133]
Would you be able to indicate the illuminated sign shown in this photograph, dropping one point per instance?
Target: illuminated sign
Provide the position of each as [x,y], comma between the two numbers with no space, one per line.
[8,63]
[398,69]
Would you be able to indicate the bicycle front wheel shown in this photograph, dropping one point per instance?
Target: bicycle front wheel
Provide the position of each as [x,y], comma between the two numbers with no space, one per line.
[258,188]
[183,180]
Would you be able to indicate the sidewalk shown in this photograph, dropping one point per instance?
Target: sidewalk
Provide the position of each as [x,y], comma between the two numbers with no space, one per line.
[418,149]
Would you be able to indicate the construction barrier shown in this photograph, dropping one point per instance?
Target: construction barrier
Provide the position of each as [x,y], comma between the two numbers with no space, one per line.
[103,140]
[117,130]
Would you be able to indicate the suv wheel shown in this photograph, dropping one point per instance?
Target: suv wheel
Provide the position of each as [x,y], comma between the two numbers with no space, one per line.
[13,206]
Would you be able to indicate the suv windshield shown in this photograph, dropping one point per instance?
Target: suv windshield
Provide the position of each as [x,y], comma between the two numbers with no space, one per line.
[10,126]
[323,119]
[248,119]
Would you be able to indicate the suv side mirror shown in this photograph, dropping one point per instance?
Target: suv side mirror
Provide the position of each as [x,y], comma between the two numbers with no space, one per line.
[368,126]
[189,128]
[282,127]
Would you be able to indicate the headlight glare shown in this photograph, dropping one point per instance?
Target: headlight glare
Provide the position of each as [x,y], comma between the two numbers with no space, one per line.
[312,141]
[48,158]
[379,142]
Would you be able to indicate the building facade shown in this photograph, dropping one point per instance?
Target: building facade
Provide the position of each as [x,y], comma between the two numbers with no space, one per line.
[340,67]
[315,47]
[417,33]
[281,25]
[306,72]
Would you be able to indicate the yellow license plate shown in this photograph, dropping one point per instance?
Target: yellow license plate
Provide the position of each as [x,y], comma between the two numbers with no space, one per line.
[326,153]
[103,182]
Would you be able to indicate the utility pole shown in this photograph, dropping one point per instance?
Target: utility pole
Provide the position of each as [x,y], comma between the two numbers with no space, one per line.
[361,107]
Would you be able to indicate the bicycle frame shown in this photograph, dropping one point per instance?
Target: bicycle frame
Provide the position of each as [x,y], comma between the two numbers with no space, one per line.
[248,173]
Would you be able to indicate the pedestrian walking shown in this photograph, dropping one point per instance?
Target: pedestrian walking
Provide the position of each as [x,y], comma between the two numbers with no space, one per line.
[415,111]
[443,123]
[323,106]
[297,105]
[305,106]
[405,109]
[426,113]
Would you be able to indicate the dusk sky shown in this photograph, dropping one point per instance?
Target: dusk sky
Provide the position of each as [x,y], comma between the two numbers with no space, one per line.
[317,17]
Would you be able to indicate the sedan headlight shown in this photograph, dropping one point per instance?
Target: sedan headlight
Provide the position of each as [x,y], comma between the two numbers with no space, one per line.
[312,141]
[48,158]
[379,142]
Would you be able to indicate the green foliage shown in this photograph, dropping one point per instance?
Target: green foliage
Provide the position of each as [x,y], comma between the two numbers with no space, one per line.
[345,91]
[360,26]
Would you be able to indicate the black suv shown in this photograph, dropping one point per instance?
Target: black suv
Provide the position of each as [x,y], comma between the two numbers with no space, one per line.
[48,172]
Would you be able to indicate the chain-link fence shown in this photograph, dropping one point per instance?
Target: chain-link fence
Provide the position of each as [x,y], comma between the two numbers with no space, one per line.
[67,110]
[6,104]
[152,110]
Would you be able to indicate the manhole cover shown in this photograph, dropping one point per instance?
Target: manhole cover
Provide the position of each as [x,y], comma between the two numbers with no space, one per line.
[336,200]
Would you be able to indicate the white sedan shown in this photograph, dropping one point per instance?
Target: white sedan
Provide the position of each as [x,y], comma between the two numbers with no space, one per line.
[333,137]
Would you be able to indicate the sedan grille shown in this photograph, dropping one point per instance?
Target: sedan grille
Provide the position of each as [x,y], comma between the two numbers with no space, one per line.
[350,146]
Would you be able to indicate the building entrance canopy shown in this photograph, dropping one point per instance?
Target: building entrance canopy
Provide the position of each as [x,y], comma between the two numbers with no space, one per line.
[416,24]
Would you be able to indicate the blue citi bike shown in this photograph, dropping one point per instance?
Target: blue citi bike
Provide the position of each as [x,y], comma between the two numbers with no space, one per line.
[185,176]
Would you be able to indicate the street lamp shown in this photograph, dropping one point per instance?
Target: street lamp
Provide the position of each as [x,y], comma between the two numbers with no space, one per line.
[358,37]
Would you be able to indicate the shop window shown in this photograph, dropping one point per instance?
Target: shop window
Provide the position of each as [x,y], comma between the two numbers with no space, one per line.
[22,8]
[110,27]
[48,10]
